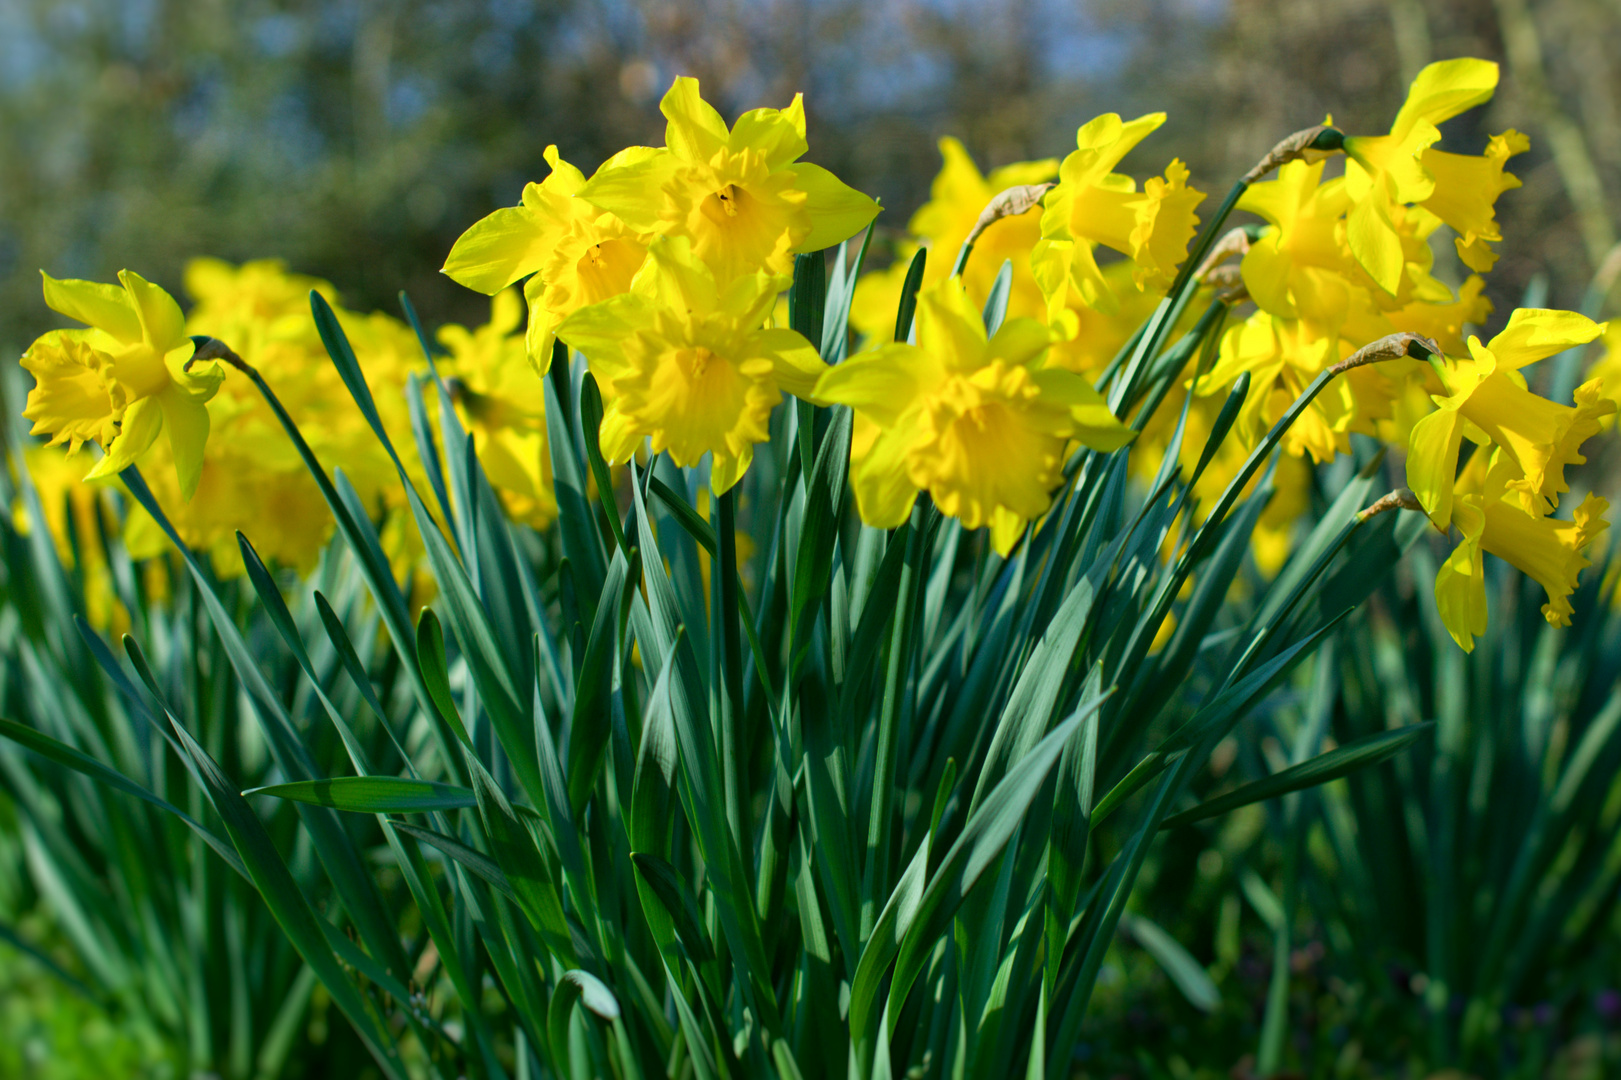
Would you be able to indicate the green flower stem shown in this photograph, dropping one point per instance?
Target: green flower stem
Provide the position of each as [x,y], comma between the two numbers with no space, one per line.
[733,751]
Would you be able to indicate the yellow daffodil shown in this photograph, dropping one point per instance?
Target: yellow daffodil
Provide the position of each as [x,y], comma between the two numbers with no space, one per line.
[685,359]
[1297,267]
[1488,402]
[1283,356]
[1093,205]
[981,424]
[1490,518]
[1386,171]
[577,253]
[957,196]
[122,382]
[740,195]
[1301,267]
[504,406]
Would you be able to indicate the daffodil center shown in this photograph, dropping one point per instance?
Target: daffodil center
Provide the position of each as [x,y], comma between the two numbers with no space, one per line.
[695,362]
[728,199]
[606,268]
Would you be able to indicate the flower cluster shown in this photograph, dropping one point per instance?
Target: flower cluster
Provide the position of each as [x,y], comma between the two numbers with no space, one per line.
[210,447]
[665,270]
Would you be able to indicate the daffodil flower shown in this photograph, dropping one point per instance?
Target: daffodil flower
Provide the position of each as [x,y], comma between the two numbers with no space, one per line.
[577,253]
[122,382]
[684,359]
[979,423]
[1491,519]
[1386,171]
[1093,205]
[739,195]
[1489,403]
[1299,267]
[1283,356]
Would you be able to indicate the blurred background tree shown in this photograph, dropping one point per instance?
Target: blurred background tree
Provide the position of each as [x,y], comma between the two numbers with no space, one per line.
[356,138]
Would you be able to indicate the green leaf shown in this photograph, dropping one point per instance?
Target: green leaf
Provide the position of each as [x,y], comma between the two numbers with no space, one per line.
[996,301]
[477,862]
[525,867]
[1220,714]
[373,794]
[590,992]
[909,287]
[436,674]
[590,724]
[678,902]
[576,525]
[1071,828]
[1030,707]
[590,428]
[336,849]
[824,505]
[682,511]
[1363,752]
[835,337]
[1187,973]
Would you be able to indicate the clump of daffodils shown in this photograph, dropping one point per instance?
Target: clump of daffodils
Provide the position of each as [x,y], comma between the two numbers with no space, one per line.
[210,447]
[664,268]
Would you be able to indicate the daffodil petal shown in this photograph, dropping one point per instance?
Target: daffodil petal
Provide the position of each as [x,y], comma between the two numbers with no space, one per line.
[1006,528]
[949,325]
[1018,341]
[837,211]
[1460,586]
[497,250]
[1534,334]
[881,384]
[778,134]
[618,436]
[1432,463]
[884,492]
[1444,89]
[794,361]
[695,129]
[630,191]
[106,307]
[162,322]
[726,470]
[186,421]
[143,420]
[1375,242]
[599,331]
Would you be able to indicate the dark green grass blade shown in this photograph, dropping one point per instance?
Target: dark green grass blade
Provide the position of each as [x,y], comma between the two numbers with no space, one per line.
[373,794]
[1321,769]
